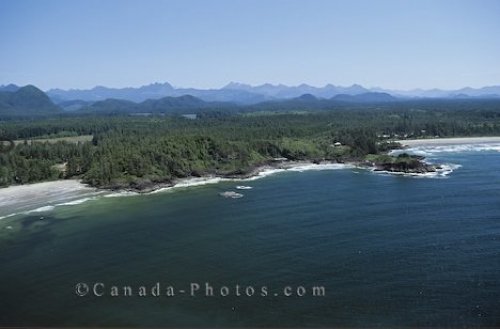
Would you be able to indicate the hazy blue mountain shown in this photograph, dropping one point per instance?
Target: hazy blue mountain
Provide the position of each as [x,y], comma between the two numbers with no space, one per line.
[26,101]
[169,104]
[223,95]
[307,98]
[458,96]
[282,91]
[245,94]
[480,92]
[309,102]
[99,93]
[371,97]
[484,92]
[330,90]
[233,92]
[10,87]
[155,91]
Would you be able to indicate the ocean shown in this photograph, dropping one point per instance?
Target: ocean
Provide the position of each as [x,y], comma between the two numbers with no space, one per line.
[335,247]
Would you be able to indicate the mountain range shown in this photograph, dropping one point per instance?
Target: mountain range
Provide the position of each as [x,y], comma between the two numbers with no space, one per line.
[245,94]
[30,101]
[164,98]
[156,91]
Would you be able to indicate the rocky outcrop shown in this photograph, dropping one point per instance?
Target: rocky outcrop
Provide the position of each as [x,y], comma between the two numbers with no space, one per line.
[404,163]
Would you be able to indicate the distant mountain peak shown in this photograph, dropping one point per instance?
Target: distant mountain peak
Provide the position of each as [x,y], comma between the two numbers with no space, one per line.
[189,98]
[27,100]
[237,85]
[307,97]
[30,91]
[158,84]
[10,87]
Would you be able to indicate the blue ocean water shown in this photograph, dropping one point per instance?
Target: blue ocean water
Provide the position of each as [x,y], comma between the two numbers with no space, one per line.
[388,250]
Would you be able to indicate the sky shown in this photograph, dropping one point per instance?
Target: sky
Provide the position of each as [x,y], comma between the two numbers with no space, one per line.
[397,44]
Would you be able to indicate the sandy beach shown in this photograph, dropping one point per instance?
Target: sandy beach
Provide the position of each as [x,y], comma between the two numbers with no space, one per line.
[15,199]
[449,141]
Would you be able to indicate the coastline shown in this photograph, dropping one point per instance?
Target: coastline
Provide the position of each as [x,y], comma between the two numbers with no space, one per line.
[45,196]
[254,173]
[36,191]
[448,141]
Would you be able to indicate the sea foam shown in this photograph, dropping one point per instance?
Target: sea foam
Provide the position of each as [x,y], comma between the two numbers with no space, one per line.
[76,202]
[321,166]
[41,209]
[7,216]
[431,150]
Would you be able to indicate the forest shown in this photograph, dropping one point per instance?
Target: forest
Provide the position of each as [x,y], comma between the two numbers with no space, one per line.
[138,151]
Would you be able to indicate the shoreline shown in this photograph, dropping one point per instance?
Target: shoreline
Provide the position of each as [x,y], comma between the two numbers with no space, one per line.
[257,172]
[45,196]
[41,197]
[253,174]
[29,198]
[448,141]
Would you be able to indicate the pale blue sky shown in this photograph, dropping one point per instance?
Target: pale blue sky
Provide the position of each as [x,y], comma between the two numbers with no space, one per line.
[389,43]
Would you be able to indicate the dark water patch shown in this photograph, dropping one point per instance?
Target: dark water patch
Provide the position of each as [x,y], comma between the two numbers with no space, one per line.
[29,221]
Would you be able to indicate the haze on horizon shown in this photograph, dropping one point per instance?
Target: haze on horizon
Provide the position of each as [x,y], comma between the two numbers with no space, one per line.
[206,44]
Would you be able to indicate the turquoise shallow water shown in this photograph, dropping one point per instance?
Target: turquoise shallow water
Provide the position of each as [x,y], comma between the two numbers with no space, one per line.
[390,251]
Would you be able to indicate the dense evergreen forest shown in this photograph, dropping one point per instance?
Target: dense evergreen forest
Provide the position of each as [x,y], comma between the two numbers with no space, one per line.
[138,151]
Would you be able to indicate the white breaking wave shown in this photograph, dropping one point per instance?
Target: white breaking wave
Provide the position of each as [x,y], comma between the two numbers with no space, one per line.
[431,150]
[243,187]
[120,194]
[76,202]
[321,166]
[231,195]
[300,168]
[198,181]
[190,182]
[261,174]
[41,209]
[7,216]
